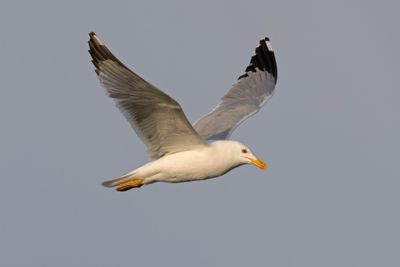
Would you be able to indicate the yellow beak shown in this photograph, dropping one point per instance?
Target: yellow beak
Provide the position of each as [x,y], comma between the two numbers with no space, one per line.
[259,164]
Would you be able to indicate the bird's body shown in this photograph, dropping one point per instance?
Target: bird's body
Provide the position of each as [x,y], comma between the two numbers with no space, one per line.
[201,161]
[205,162]
[179,151]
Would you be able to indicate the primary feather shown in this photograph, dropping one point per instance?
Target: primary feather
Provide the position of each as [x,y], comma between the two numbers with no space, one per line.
[245,98]
[156,117]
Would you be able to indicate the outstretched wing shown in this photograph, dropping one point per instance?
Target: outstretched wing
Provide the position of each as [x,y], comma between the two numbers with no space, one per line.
[245,98]
[157,118]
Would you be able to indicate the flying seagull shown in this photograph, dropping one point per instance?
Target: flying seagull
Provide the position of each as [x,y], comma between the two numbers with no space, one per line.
[181,152]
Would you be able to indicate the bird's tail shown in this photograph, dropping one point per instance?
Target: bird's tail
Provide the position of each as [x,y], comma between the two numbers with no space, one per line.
[125,182]
[118,181]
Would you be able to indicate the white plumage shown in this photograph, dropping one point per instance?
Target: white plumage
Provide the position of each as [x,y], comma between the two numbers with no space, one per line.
[179,151]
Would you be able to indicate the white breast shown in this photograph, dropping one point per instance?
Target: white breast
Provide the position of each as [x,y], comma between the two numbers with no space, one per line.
[204,163]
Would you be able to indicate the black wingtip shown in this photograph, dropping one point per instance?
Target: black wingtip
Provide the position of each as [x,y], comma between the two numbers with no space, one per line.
[99,52]
[264,59]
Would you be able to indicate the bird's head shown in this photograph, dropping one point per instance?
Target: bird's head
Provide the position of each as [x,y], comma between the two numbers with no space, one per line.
[241,154]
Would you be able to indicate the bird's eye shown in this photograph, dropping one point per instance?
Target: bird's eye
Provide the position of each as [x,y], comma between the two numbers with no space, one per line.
[244,150]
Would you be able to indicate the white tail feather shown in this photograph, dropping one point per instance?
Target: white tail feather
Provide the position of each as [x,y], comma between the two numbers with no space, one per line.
[118,181]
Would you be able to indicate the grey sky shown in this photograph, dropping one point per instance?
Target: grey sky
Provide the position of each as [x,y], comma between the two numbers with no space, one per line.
[330,135]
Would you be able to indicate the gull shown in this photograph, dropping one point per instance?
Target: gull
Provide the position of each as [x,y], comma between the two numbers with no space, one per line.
[179,151]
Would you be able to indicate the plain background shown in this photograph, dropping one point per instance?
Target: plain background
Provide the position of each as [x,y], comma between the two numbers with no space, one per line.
[330,135]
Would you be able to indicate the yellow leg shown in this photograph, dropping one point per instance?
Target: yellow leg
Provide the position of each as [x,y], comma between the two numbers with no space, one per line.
[136,183]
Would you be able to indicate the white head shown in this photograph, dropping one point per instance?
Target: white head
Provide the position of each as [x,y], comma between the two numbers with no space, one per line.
[239,154]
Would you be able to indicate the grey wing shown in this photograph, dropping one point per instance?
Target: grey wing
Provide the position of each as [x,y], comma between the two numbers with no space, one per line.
[245,98]
[156,118]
